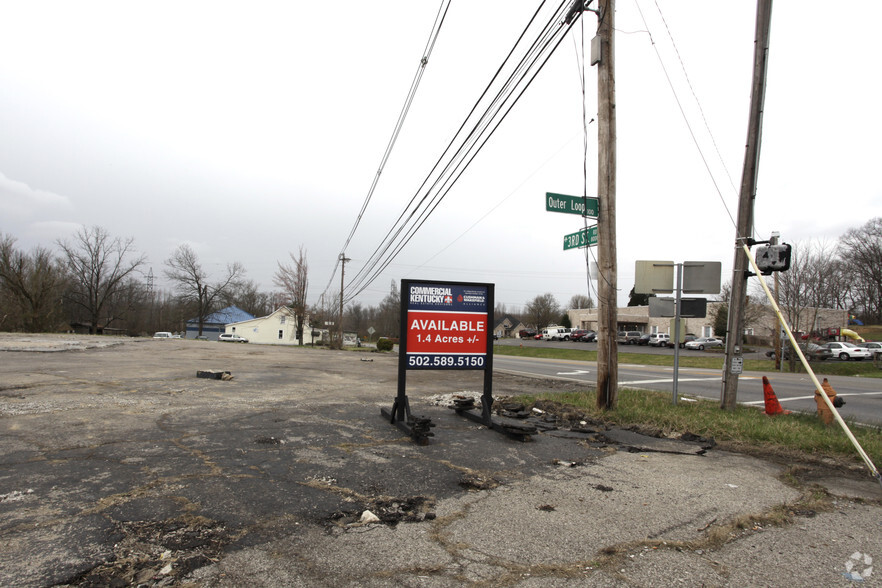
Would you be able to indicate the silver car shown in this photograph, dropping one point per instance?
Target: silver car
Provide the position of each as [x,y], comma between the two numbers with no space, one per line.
[846,351]
[704,342]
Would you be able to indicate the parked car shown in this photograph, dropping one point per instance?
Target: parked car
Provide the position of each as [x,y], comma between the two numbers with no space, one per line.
[873,346]
[232,338]
[846,351]
[686,339]
[659,339]
[589,336]
[812,352]
[577,334]
[527,333]
[163,335]
[703,343]
[629,337]
[644,339]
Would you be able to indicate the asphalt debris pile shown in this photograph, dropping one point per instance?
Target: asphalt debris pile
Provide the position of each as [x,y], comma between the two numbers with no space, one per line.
[388,511]
[266,440]
[158,553]
[214,375]
[476,481]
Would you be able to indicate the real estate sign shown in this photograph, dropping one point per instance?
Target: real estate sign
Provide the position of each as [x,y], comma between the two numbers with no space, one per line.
[446,325]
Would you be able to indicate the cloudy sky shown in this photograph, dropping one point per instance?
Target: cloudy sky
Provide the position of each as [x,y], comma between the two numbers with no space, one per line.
[248,130]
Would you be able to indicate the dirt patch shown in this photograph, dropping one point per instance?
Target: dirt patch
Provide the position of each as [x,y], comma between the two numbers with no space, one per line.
[158,553]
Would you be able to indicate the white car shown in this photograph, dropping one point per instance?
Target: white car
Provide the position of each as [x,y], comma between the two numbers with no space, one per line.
[659,339]
[846,351]
[163,335]
[704,342]
[232,337]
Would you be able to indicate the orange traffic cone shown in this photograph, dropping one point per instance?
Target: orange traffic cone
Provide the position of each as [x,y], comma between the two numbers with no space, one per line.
[773,407]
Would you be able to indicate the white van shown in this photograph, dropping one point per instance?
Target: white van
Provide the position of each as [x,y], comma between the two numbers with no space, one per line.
[163,335]
[556,333]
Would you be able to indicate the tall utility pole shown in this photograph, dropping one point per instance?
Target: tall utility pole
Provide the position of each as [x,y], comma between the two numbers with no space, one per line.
[343,260]
[607,282]
[745,202]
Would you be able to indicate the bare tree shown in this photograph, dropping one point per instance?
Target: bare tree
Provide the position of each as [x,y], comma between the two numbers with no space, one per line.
[246,295]
[294,281]
[752,315]
[32,283]
[99,266]
[581,301]
[193,284]
[543,310]
[806,287]
[390,312]
[356,318]
[861,253]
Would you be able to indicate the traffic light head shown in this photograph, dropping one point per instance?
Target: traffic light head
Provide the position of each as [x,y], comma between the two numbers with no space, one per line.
[773,258]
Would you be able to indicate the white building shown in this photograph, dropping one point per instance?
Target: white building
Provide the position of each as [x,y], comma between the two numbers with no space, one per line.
[278,328]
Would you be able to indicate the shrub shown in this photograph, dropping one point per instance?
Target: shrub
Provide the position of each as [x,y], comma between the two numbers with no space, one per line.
[384,344]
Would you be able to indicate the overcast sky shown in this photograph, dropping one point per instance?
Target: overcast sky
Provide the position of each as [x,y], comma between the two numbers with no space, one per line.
[248,130]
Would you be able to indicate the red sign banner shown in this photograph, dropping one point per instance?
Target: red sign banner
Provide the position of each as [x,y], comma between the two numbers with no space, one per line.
[446,332]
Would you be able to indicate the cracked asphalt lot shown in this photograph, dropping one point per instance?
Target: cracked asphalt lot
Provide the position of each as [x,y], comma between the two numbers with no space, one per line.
[119,467]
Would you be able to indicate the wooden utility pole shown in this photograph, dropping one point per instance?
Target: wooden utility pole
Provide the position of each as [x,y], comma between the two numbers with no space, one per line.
[746,199]
[343,260]
[607,282]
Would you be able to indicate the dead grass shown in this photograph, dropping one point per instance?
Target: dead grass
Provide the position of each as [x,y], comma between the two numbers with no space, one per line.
[796,437]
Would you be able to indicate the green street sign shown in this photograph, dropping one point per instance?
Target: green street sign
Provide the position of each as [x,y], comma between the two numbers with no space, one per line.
[584,238]
[582,205]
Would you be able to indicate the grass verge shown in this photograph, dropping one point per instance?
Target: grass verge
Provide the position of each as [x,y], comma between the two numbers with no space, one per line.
[745,429]
[711,360]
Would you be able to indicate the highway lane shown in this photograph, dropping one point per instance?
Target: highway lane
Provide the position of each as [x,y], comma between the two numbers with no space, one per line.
[863,396]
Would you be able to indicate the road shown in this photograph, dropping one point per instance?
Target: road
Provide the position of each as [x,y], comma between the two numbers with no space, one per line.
[863,396]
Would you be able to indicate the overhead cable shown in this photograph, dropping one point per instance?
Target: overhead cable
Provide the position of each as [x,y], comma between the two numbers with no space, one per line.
[411,93]
[465,145]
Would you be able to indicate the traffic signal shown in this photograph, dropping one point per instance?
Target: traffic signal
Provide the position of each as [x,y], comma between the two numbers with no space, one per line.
[773,258]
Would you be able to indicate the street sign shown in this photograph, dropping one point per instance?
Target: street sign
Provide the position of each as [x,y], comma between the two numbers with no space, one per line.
[737,366]
[653,277]
[582,205]
[584,238]
[702,277]
[689,307]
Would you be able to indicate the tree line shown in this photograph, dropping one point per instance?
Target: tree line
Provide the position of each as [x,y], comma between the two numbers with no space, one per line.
[95,282]
[98,283]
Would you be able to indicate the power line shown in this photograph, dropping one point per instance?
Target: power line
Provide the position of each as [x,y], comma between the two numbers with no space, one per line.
[401,222]
[449,168]
[405,109]
[683,114]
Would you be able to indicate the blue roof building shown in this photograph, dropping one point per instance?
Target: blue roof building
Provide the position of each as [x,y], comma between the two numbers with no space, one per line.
[215,322]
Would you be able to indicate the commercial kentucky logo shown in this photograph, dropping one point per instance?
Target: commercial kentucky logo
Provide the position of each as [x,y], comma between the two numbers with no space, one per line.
[431,295]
